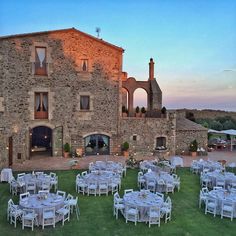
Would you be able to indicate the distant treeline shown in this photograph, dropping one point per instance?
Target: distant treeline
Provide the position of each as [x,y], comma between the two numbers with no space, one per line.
[219,123]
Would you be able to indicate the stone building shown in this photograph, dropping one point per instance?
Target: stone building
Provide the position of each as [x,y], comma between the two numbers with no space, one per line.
[65,86]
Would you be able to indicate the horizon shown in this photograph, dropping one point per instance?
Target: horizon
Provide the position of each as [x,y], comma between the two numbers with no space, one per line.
[193,44]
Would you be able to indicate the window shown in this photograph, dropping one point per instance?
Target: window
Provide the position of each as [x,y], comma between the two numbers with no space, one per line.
[134,137]
[161,143]
[40,61]
[84,102]
[84,64]
[41,106]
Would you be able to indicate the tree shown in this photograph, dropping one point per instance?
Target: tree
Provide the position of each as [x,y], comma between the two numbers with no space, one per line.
[216,125]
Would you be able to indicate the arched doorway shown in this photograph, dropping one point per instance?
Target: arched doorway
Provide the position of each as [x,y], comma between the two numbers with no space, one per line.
[41,141]
[97,144]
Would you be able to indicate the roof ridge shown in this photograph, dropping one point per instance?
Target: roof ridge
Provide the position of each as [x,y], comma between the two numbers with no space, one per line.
[63,30]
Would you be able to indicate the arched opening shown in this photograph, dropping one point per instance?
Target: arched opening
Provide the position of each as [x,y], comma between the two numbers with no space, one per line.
[140,98]
[97,144]
[125,98]
[40,141]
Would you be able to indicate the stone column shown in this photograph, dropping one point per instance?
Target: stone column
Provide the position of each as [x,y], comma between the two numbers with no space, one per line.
[151,69]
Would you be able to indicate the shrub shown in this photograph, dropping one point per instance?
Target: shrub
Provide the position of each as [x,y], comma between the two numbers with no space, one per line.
[66,147]
[125,146]
[143,110]
[193,146]
[163,110]
[137,109]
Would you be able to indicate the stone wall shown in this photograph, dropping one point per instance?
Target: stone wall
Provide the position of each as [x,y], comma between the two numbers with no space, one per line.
[64,83]
[146,131]
[185,137]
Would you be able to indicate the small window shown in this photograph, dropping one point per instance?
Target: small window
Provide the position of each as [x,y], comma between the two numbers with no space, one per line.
[84,64]
[134,137]
[161,143]
[40,61]
[41,105]
[84,103]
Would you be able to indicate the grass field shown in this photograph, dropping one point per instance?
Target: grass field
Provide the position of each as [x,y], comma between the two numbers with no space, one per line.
[97,216]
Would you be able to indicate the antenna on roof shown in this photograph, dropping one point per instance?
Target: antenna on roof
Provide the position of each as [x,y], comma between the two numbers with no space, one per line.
[98,30]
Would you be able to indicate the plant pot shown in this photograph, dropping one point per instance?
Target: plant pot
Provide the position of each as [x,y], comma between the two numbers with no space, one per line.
[66,154]
[193,154]
[143,115]
[124,114]
[126,153]
[137,114]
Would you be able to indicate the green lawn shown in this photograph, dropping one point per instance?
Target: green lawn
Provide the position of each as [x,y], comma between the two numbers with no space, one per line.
[97,219]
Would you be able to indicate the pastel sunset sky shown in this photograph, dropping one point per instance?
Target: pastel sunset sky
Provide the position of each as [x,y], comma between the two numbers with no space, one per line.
[193,42]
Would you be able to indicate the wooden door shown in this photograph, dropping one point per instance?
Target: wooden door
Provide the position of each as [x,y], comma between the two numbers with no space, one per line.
[10,151]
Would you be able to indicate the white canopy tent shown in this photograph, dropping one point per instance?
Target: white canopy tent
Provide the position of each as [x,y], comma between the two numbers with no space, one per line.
[231,132]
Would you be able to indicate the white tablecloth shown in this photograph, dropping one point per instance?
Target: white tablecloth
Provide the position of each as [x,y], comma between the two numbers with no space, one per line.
[143,200]
[177,161]
[34,202]
[109,166]
[223,195]
[152,165]
[6,175]
[159,176]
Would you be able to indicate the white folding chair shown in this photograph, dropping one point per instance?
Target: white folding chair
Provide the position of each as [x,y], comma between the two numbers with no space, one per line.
[211,205]
[118,205]
[166,209]
[24,195]
[128,191]
[49,217]
[131,214]
[29,218]
[154,216]
[103,188]
[61,193]
[64,212]
[227,209]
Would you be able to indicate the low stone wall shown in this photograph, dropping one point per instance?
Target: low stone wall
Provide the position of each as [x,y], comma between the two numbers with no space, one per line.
[185,137]
[146,130]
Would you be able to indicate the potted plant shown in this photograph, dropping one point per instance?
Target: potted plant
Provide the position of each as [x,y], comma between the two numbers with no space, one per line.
[193,148]
[137,114]
[66,150]
[125,149]
[143,111]
[163,112]
[124,111]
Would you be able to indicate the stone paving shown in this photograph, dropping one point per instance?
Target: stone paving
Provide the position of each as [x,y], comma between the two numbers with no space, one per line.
[60,163]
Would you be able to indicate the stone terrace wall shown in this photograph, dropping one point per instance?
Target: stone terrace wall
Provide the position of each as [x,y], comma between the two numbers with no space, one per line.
[185,137]
[65,83]
[147,130]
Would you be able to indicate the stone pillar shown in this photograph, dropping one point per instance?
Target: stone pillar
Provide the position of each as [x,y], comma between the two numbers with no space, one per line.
[151,69]
[130,103]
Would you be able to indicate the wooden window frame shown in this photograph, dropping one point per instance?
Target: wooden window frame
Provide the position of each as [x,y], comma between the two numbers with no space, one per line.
[37,70]
[41,114]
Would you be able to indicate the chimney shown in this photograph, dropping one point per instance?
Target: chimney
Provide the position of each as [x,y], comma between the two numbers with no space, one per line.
[151,69]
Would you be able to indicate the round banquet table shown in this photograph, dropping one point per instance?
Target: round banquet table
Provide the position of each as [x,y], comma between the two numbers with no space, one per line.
[101,177]
[106,166]
[228,177]
[152,165]
[143,200]
[37,204]
[159,176]
[220,195]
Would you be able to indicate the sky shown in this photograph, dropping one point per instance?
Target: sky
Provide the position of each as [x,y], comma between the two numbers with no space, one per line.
[193,42]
